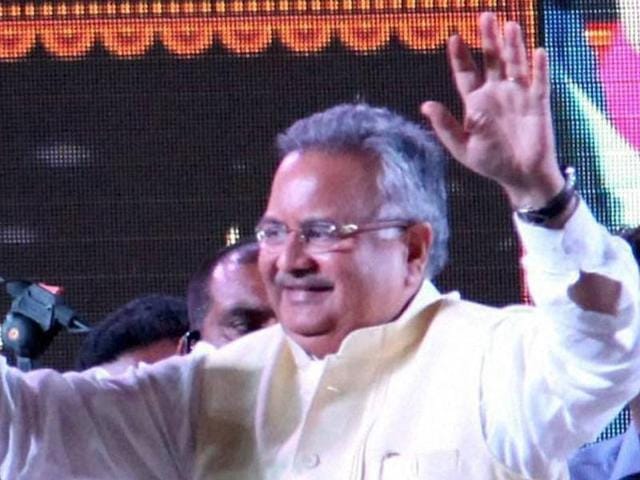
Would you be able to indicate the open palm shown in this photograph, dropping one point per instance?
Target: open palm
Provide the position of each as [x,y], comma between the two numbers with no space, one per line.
[506,134]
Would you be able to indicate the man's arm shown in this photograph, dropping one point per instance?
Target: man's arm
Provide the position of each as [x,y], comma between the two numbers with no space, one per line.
[136,425]
[554,378]
[556,375]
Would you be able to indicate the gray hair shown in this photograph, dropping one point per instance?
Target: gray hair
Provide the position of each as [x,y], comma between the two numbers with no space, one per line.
[411,158]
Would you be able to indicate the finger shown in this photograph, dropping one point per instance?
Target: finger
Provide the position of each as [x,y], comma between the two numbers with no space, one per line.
[514,54]
[491,41]
[447,129]
[465,72]
[540,82]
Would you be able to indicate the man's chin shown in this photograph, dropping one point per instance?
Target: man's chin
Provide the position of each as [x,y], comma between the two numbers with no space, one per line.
[303,330]
[316,342]
[304,319]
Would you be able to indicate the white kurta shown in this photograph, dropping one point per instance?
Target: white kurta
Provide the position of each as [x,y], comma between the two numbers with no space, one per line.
[451,389]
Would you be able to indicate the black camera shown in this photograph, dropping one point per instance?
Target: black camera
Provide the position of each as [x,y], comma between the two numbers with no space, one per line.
[38,312]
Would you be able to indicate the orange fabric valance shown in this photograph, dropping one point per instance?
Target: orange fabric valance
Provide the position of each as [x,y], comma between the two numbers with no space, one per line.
[68,30]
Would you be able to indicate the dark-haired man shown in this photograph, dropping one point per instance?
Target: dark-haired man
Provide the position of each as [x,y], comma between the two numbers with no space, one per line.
[145,330]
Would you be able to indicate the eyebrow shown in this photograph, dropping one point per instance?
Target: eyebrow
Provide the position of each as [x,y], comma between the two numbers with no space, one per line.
[267,219]
[243,307]
[247,310]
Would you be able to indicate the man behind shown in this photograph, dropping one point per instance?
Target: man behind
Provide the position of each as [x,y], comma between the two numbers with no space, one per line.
[372,373]
[145,330]
[226,297]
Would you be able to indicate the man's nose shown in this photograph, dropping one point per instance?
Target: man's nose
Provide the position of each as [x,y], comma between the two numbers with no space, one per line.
[293,257]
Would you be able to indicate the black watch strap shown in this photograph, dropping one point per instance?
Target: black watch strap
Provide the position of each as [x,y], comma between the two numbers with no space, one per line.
[557,205]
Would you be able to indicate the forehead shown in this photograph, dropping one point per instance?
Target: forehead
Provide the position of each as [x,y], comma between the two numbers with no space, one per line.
[234,282]
[325,185]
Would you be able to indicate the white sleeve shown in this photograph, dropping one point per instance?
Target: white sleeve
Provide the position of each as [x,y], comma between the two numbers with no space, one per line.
[83,425]
[557,374]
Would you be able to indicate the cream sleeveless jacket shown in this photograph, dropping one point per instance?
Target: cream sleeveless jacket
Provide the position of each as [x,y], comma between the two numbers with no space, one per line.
[398,401]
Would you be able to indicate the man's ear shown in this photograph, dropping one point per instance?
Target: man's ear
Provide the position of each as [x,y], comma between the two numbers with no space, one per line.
[419,239]
[182,347]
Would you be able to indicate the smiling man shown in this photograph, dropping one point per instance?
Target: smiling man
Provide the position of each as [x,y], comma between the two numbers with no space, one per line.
[372,373]
[323,287]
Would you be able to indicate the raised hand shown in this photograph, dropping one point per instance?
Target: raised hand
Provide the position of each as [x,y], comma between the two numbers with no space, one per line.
[507,133]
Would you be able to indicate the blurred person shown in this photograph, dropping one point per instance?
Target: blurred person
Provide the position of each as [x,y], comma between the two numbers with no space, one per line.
[372,373]
[226,297]
[145,330]
[616,458]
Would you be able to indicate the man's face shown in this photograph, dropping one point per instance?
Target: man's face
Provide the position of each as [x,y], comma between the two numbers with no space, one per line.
[365,280]
[240,303]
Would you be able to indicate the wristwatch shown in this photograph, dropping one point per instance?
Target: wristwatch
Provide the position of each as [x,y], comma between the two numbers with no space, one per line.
[557,205]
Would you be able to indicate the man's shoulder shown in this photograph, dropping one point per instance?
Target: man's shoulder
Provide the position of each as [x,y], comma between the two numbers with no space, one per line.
[480,315]
[250,350]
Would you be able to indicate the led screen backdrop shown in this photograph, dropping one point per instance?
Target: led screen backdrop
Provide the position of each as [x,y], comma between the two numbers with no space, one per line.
[136,137]
[595,51]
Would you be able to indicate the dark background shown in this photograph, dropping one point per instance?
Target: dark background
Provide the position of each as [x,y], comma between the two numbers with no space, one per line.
[118,176]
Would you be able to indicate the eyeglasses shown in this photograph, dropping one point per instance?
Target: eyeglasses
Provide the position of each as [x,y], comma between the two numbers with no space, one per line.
[319,236]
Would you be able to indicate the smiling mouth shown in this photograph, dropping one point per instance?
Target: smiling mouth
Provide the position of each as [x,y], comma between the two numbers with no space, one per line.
[303,295]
